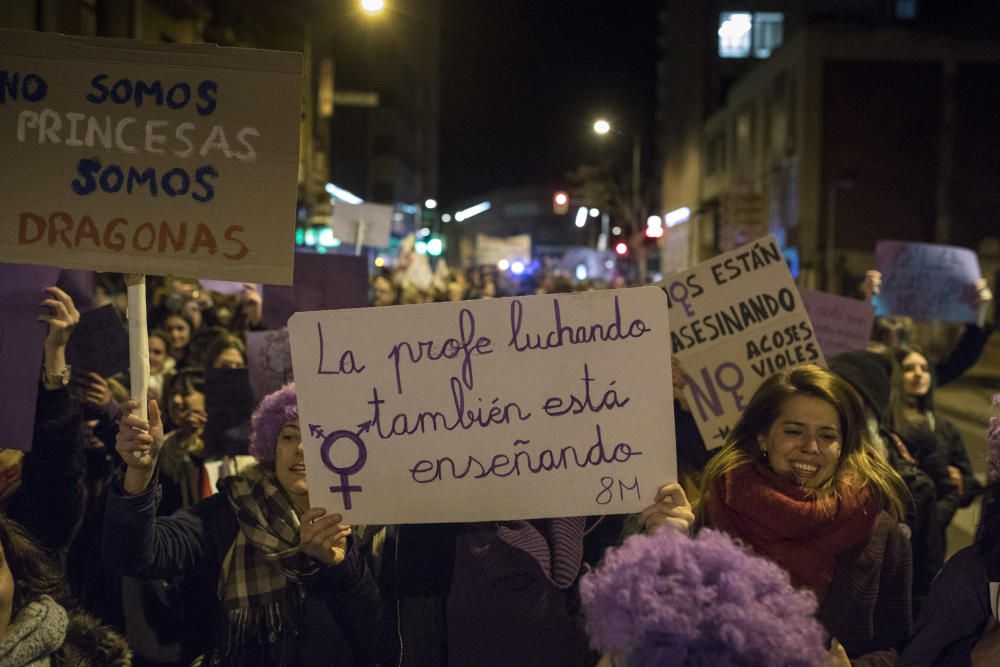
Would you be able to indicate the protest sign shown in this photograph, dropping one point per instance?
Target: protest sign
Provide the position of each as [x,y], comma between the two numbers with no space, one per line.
[21,339]
[841,324]
[322,282]
[926,281]
[126,156]
[376,219]
[228,405]
[518,408]
[492,249]
[269,360]
[99,343]
[226,287]
[80,285]
[736,320]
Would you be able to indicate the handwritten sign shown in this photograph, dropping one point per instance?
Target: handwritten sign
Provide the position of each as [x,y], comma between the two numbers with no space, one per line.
[376,219]
[841,324]
[21,338]
[926,281]
[491,249]
[269,360]
[540,406]
[125,156]
[736,320]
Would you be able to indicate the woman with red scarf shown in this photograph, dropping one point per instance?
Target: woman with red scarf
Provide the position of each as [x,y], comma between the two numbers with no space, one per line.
[798,481]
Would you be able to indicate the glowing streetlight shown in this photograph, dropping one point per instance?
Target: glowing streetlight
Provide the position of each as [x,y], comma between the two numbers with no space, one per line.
[373,6]
[430,204]
[602,126]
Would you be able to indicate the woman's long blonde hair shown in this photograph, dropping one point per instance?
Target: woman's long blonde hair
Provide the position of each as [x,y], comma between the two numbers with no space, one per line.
[858,461]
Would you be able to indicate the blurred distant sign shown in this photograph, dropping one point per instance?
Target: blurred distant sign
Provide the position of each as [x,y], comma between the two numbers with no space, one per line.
[742,218]
[927,281]
[372,222]
[355,98]
[735,320]
[126,156]
[491,249]
[841,324]
[676,249]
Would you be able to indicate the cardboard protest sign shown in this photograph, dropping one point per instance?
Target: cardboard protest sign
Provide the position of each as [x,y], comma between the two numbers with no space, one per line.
[269,360]
[228,404]
[736,320]
[376,218]
[21,341]
[80,285]
[926,281]
[126,156]
[322,282]
[518,408]
[491,249]
[99,343]
[841,324]
[227,287]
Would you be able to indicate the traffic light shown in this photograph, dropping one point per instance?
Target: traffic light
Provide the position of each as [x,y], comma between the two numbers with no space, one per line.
[560,203]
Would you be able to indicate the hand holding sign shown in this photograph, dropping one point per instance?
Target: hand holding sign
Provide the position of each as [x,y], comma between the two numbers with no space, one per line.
[138,443]
[323,537]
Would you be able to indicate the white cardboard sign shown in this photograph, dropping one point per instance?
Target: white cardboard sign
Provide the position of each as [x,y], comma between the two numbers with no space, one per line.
[126,156]
[736,320]
[376,219]
[518,408]
[491,249]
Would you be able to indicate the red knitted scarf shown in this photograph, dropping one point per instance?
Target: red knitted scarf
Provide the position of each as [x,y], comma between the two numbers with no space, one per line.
[782,521]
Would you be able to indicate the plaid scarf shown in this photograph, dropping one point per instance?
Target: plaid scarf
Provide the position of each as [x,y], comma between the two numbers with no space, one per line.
[261,580]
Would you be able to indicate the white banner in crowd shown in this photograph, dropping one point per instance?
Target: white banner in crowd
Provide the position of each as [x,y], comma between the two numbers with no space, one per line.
[518,408]
[491,249]
[376,219]
[736,319]
[127,156]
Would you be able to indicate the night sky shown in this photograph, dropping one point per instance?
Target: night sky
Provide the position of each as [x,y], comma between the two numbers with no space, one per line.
[523,80]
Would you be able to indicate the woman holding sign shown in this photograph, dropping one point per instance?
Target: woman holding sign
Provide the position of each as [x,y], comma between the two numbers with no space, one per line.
[284,582]
[798,482]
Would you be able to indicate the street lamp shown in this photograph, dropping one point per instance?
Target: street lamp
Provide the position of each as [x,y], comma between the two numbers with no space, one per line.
[603,127]
[373,6]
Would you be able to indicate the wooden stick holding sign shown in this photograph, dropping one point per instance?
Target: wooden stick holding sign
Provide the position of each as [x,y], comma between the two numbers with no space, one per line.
[138,341]
[359,239]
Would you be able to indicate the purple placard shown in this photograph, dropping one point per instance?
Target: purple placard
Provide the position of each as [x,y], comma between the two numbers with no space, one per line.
[927,281]
[321,282]
[80,284]
[269,358]
[227,287]
[841,324]
[21,340]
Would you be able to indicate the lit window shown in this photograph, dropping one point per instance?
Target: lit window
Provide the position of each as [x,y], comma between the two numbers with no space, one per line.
[767,33]
[734,34]
[906,10]
[742,34]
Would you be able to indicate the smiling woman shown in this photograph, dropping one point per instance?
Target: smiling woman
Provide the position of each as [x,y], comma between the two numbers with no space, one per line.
[799,483]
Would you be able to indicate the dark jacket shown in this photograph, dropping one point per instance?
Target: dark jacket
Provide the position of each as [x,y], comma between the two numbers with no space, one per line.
[868,605]
[488,593]
[954,616]
[342,621]
[50,500]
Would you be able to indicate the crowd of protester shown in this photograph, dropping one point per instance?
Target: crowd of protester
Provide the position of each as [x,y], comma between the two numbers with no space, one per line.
[123,543]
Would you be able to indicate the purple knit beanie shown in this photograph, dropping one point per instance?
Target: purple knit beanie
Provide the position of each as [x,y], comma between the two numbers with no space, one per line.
[274,411]
[667,599]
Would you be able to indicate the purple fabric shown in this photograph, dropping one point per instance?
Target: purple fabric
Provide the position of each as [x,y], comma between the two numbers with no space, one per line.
[667,599]
[21,341]
[509,598]
[993,443]
[320,282]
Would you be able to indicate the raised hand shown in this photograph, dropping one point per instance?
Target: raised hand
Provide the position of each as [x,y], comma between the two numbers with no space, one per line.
[138,443]
[323,537]
[62,317]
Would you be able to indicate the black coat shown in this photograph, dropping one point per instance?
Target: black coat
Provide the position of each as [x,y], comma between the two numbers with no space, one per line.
[342,621]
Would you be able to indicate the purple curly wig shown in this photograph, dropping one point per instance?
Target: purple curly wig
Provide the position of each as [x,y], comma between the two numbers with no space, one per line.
[993,443]
[667,599]
[273,412]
